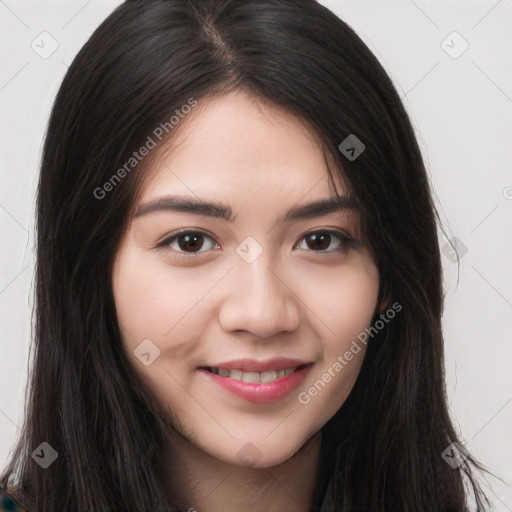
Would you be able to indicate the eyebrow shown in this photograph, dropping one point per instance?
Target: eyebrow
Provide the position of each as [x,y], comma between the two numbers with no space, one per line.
[221,211]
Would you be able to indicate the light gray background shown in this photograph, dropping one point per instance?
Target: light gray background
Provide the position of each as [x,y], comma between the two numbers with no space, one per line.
[461,107]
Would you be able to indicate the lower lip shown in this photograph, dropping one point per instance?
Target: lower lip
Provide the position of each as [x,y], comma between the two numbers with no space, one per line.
[261,393]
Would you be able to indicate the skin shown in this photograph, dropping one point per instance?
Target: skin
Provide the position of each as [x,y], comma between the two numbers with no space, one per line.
[293,301]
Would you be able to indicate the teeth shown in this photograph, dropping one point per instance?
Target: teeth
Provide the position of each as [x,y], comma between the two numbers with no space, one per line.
[236,374]
[265,377]
[269,376]
[252,377]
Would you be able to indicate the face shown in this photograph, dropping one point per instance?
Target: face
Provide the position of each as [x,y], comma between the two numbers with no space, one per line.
[243,317]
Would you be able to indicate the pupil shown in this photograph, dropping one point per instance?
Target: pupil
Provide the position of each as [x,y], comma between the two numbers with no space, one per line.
[319,241]
[190,242]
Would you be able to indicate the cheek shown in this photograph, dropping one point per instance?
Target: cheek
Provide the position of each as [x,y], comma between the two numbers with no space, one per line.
[343,299]
[354,309]
[154,301]
[345,305]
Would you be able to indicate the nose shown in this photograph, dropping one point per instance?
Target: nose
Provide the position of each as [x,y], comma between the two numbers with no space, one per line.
[258,300]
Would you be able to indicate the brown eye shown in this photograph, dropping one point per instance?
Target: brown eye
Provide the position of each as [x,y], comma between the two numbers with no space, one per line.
[319,241]
[189,242]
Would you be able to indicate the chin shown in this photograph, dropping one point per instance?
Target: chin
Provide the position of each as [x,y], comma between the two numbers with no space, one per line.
[264,453]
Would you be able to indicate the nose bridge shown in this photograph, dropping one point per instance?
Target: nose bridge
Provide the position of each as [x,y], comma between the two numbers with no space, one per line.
[258,299]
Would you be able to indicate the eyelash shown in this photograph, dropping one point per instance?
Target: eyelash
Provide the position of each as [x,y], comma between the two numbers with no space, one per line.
[345,241]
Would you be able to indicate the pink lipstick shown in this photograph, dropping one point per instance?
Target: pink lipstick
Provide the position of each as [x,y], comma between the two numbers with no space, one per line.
[259,381]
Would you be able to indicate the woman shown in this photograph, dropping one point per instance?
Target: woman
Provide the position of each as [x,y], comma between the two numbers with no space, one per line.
[238,282]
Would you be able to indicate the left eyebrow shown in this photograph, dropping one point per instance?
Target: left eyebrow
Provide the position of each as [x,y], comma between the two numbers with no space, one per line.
[319,208]
[196,206]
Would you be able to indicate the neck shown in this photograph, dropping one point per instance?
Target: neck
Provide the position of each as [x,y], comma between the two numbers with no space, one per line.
[197,481]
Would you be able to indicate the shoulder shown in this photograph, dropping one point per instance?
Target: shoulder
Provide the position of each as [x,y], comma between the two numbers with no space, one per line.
[8,503]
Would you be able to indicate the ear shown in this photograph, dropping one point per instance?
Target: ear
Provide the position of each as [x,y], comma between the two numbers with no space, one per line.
[384,302]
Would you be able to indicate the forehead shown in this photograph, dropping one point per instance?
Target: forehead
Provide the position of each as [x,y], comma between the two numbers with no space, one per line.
[234,145]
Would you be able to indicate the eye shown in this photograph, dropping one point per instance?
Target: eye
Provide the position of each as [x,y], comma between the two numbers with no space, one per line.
[188,242]
[320,240]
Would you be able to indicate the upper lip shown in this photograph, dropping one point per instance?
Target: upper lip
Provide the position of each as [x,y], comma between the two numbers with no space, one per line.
[253,365]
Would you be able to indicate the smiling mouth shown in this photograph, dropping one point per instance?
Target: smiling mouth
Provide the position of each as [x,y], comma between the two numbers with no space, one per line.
[251,377]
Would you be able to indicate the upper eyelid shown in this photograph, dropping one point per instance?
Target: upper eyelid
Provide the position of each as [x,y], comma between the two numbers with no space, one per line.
[167,238]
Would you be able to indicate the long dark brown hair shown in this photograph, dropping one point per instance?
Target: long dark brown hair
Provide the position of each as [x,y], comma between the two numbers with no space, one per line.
[382,451]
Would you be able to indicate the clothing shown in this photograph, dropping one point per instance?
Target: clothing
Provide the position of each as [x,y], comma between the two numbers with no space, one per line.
[8,503]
